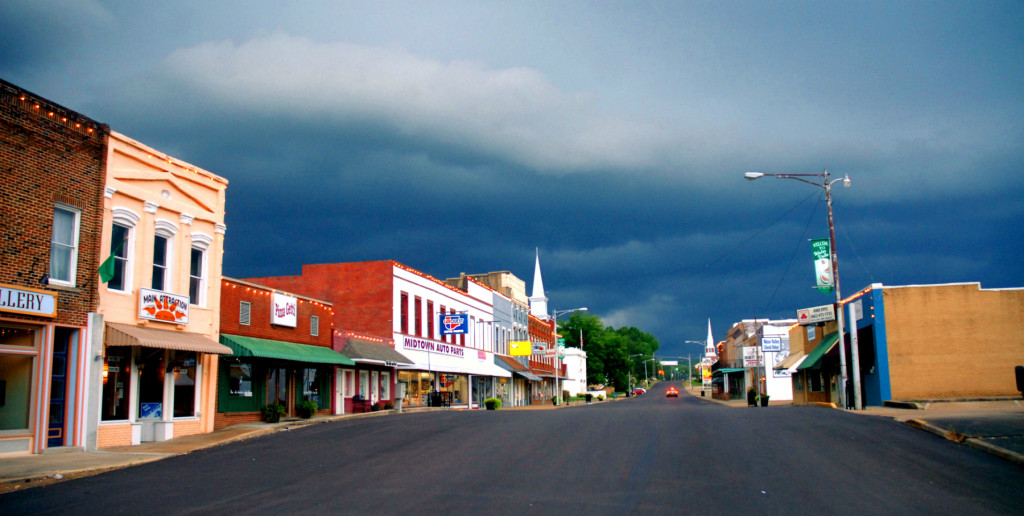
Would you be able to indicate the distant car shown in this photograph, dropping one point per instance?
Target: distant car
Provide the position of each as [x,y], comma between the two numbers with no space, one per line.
[672,392]
[638,391]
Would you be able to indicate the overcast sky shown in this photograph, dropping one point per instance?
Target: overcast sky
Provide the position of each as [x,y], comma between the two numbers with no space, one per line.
[612,136]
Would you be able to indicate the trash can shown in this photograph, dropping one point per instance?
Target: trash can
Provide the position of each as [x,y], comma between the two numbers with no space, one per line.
[751,398]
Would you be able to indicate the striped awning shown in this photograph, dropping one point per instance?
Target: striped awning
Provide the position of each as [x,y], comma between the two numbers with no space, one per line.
[130,335]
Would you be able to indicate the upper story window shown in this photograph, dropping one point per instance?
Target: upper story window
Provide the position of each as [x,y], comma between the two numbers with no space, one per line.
[121,248]
[198,275]
[160,262]
[163,251]
[314,325]
[244,313]
[64,245]
[418,314]
[404,309]
[430,319]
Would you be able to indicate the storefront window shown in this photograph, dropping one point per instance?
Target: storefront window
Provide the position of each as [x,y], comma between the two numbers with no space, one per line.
[455,384]
[277,386]
[17,336]
[385,386]
[15,391]
[240,380]
[151,383]
[364,384]
[183,366]
[117,368]
[814,381]
[417,387]
[311,386]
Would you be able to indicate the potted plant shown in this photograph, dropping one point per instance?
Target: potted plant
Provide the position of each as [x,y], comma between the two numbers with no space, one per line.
[764,400]
[272,413]
[492,403]
[389,405]
[375,407]
[307,409]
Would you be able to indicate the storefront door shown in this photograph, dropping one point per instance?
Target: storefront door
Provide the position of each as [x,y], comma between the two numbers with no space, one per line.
[277,386]
[58,388]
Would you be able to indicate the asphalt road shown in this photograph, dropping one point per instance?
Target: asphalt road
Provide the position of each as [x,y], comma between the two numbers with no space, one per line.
[674,456]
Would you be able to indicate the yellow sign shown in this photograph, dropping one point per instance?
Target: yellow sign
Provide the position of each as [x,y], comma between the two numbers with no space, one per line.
[520,348]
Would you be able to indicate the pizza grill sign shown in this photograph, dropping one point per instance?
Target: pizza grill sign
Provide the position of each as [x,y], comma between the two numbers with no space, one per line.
[284,310]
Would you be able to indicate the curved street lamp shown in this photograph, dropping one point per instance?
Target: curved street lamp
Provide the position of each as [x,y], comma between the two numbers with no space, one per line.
[827,185]
[558,359]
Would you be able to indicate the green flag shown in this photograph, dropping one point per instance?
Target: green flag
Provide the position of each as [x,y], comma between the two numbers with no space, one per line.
[107,269]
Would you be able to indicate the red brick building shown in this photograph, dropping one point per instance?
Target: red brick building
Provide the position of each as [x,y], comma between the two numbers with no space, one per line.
[400,307]
[282,352]
[51,209]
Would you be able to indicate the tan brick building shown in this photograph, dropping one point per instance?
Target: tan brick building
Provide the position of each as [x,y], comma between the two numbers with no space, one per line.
[919,342]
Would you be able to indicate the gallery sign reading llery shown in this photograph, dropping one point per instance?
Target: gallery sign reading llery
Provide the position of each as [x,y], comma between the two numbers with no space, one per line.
[26,301]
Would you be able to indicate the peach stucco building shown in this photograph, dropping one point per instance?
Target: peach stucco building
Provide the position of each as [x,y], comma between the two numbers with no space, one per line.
[157,325]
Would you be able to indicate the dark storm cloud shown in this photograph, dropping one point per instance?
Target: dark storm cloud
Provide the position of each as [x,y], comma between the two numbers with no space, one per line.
[464,138]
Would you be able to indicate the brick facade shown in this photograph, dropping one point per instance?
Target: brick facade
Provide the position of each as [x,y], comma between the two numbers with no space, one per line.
[260,300]
[233,292]
[365,287]
[48,155]
[953,341]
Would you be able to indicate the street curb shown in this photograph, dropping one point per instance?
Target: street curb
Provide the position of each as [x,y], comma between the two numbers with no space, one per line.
[921,424]
[980,444]
[973,442]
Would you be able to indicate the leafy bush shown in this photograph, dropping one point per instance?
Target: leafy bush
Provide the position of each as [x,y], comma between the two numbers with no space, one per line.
[375,407]
[492,403]
[307,409]
[272,413]
[388,405]
[600,398]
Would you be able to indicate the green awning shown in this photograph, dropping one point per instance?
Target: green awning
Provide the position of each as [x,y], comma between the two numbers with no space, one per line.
[263,348]
[813,360]
[728,370]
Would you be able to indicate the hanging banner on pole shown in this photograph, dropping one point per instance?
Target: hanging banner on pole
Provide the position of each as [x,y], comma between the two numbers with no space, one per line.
[822,264]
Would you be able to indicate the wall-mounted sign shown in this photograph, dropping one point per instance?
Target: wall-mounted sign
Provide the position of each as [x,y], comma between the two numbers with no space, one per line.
[284,310]
[771,344]
[27,301]
[433,347]
[816,314]
[751,358]
[454,324]
[520,348]
[156,305]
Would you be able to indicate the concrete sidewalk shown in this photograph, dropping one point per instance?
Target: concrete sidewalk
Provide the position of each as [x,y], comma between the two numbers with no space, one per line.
[26,471]
[995,426]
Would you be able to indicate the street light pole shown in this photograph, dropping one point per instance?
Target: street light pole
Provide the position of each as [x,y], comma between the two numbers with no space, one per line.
[827,185]
[558,358]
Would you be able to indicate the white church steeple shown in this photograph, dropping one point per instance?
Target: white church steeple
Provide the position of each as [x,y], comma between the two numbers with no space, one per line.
[538,301]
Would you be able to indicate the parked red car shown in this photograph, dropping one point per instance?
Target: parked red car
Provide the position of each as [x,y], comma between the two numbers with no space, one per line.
[638,391]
